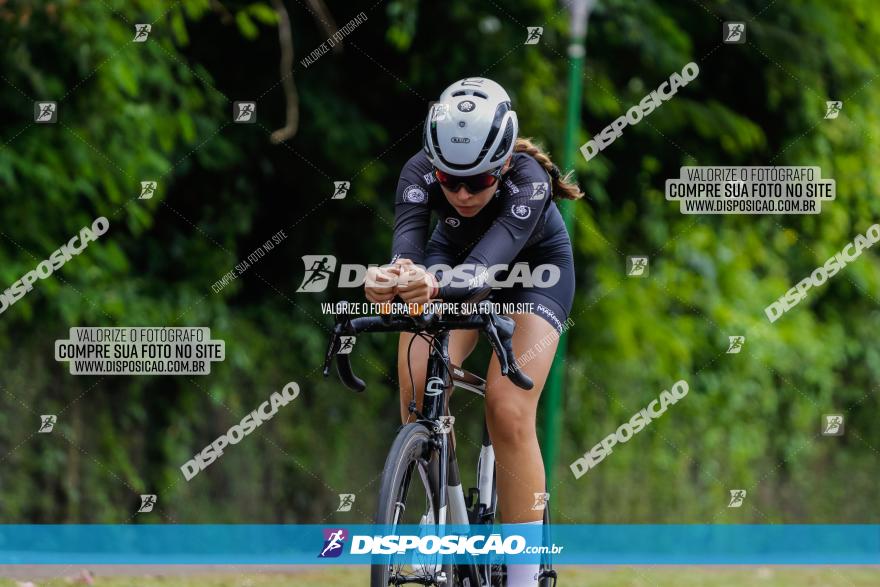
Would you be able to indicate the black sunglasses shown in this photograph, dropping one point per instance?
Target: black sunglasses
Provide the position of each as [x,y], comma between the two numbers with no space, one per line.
[472,183]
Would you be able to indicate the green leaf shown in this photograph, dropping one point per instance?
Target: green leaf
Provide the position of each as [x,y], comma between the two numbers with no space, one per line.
[246,25]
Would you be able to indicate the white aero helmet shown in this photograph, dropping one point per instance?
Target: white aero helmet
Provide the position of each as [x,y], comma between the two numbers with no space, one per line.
[471,129]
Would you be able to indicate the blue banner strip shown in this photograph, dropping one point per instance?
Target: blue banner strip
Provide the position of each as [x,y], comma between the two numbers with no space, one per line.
[581,544]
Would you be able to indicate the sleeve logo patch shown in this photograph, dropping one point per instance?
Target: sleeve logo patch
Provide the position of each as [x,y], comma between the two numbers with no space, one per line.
[414,194]
[521,211]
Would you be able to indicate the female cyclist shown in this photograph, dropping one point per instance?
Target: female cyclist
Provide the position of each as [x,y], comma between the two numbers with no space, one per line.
[493,193]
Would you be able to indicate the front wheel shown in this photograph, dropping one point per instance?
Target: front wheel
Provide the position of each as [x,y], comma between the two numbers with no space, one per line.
[408,495]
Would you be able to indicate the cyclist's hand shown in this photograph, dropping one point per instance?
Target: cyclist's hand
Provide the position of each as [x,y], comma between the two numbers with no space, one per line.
[415,285]
[380,284]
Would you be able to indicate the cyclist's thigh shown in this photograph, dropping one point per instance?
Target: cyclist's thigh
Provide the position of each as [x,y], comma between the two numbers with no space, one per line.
[510,410]
[461,344]
[534,346]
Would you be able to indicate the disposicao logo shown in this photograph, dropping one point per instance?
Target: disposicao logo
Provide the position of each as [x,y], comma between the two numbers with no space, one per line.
[334,542]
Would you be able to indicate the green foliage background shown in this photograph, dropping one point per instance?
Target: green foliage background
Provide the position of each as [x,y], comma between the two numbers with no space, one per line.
[162,110]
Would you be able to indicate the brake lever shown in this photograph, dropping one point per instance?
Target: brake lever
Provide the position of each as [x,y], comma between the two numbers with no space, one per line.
[343,362]
[499,330]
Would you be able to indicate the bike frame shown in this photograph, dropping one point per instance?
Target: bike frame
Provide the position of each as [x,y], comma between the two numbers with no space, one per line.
[451,503]
[436,404]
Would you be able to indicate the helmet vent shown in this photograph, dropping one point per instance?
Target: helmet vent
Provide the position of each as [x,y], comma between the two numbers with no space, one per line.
[470,93]
[505,142]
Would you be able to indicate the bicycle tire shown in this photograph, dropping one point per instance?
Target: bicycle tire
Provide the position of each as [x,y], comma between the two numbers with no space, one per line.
[409,446]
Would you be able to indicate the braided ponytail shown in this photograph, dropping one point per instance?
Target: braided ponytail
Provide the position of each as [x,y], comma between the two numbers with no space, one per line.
[563,186]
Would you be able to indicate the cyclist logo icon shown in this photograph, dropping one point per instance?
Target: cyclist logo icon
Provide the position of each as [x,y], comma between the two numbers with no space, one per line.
[340,189]
[637,266]
[45,112]
[346,345]
[541,500]
[534,35]
[444,424]
[333,541]
[439,111]
[141,32]
[148,190]
[736,344]
[539,190]
[737,496]
[734,32]
[244,112]
[147,503]
[833,425]
[47,423]
[832,109]
[346,500]
[319,268]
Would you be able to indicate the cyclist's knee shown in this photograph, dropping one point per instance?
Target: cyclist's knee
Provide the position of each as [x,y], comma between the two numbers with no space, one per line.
[510,422]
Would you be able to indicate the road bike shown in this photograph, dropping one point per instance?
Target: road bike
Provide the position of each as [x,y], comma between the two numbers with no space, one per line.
[422,458]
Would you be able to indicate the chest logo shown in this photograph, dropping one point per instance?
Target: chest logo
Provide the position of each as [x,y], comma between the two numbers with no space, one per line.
[521,211]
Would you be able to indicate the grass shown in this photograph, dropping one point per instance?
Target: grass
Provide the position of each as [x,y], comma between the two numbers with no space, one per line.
[568,577]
